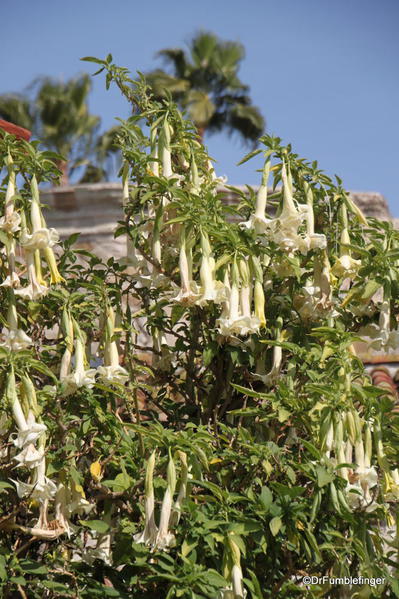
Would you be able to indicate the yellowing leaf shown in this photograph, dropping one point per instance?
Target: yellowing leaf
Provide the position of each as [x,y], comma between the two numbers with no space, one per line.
[215,460]
[96,471]
[275,525]
[79,489]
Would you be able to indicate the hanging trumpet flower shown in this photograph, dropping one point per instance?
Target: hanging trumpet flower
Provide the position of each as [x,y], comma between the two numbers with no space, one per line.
[149,535]
[41,237]
[239,320]
[313,302]
[312,240]
[259,294]
[381,336]
[232,571]
[272,376]
[10,224]
[80,376]
[111,372]
[189,291]
[258,220]
[345,266]
[211,289]
[36,287]
[12,337]
[283,229]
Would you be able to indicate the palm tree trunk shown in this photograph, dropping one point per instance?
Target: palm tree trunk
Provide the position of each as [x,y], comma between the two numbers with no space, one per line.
[63,166]
[201,133]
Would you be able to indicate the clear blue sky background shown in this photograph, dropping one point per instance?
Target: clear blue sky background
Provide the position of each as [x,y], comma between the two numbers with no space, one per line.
[324,73]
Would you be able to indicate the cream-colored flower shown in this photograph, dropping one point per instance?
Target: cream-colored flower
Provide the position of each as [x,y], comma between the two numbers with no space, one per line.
[358,499]
[30,434]
[40,239]
[113,374]
[367,476]
[80,377]
[346,266]
[149,535]
[43,489]
[236,323]
[29,456]
[211,290]
[11,223]
[15,339]
[12,280]
[165,538]
[189,292]
[35,289]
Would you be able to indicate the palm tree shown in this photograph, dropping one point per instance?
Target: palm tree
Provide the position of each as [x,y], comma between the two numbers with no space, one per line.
[64,123]
[16,109]
[206,83]
[59,116]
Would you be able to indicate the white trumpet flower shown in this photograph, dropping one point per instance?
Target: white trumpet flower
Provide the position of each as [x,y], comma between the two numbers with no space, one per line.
[40,239]
[34,290]
[237,322]
[258,220]
[80,377]
[113,374]
[30,434]
[41,490]
[189,292]
[149,535]
[165,538]
[345,267]
[15,339]
[29,456]
[11,223]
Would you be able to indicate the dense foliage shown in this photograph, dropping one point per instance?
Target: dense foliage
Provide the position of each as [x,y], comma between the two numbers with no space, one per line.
[194,422]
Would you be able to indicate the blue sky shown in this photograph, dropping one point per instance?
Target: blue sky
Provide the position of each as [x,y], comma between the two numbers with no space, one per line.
[323,73]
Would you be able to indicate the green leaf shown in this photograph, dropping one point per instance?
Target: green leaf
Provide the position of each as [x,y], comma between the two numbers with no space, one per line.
[93,59]
[249,156]
[97,525]
[275,525]
[214,578]
[266,498]
[3,571]
[31,566]
[57,587]
[323,476]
